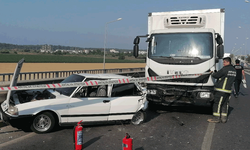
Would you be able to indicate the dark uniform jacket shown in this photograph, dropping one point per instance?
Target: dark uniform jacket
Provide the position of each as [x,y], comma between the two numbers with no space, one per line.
[238,69]
[225,78]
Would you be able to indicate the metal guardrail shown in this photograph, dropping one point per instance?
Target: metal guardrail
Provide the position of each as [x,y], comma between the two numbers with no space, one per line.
[247,69]
[62,74]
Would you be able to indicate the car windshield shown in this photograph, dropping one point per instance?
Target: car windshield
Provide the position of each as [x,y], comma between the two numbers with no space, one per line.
[73,78]
[181,46]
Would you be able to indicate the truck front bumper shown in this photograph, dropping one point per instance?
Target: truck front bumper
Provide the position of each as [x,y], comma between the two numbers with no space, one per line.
[177,95]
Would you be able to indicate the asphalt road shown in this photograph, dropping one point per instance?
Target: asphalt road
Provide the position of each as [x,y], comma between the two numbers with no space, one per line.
[182,128]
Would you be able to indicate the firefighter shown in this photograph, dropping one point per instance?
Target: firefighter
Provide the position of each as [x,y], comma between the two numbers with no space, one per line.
[225,79]
[239,73]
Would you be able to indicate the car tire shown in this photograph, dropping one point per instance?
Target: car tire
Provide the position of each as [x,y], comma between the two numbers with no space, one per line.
[43,123]
[138,118]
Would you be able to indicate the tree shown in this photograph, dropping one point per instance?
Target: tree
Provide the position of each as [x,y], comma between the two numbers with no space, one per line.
[58,53]
[5,52]
[26,50]
[121,57]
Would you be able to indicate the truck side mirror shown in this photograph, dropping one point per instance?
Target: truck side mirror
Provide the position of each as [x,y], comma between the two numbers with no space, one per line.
[136,46]
[218,39]
[136,49]
[220,51]
[137,40]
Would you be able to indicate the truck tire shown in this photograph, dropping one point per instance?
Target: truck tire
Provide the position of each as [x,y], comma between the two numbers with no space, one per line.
[138,118]
[43,123]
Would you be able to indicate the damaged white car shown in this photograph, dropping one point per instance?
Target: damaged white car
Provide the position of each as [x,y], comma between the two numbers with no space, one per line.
[41,110]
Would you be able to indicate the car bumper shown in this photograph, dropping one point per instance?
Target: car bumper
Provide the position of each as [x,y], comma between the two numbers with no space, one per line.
[7,118]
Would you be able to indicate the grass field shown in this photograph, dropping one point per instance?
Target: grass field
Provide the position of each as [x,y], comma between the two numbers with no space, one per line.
[50,58]
[42,67]
[63,63]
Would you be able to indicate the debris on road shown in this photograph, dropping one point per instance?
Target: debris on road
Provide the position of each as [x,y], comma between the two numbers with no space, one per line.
[177,119]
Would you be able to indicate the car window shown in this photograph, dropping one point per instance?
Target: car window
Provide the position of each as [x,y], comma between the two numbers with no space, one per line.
[92,91]
[82,92]
[124,90]
[72,78]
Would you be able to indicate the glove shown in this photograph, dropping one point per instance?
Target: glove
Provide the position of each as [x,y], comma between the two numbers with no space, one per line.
[244,81]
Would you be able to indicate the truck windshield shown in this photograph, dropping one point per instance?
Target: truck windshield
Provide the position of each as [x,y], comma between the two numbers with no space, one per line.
[181,46]
[73,78]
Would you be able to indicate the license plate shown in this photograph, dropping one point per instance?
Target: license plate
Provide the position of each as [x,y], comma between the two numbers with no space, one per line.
[5,106]
[152,92]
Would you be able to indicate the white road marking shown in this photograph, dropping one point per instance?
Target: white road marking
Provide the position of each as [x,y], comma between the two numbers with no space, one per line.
[247,73]
[207,141]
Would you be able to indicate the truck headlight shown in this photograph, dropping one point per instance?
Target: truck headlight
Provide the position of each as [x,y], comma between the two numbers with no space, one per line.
[13,110]
[205,94]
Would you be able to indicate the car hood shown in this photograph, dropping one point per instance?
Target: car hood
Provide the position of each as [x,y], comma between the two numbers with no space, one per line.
[15,77]
[5,104]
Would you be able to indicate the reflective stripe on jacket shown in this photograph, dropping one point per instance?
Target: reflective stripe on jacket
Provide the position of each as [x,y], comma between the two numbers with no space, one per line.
[225,78]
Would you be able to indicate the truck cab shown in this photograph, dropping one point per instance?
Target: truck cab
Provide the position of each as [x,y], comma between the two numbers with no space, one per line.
[182,43]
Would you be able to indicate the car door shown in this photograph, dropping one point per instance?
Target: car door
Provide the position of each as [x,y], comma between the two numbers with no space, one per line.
[86,108]
[125,100]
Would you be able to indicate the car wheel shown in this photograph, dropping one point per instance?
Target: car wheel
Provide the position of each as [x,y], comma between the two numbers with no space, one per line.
[43,123]
[138,118]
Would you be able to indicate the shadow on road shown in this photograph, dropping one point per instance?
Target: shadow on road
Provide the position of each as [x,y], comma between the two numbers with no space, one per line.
[93,125]
[91,141]
[230,109]
[11,131]
[140,148]
[243,94]
[187,109]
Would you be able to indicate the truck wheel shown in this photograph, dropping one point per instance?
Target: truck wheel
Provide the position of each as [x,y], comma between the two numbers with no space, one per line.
[43,123]
[138,118]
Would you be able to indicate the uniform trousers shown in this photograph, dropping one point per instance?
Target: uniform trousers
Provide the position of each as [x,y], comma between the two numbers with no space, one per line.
[221,104]
[237,83]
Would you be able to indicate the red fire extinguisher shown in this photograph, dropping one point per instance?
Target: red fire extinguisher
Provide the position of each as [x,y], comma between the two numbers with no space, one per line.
[78,136]
[127,142]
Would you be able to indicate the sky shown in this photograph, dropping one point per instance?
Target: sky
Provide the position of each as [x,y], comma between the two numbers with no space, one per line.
[81,23]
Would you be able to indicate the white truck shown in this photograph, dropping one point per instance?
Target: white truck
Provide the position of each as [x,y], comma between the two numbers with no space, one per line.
[183,42]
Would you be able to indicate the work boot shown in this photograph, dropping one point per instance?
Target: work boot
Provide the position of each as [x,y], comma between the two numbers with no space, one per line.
[214,120]
[223,119]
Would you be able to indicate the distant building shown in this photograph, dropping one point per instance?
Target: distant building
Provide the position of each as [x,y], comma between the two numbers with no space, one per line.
[226,55]
[127,52]
[86,51]
[113,51]
[69,51]
[142,52]
[46,49]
